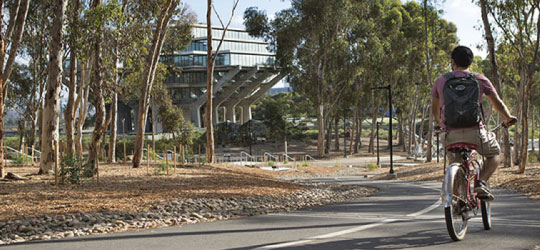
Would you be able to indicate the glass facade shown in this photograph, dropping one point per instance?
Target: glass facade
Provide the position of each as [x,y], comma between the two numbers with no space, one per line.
[217,33]
[238,48]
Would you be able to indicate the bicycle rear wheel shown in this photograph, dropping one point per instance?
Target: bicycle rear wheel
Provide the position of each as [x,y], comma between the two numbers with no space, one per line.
[456,215]
[486,214]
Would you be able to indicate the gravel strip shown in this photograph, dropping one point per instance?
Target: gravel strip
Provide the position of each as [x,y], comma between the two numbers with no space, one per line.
[175,212]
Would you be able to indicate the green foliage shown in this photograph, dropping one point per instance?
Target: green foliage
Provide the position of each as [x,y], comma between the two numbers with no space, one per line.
[372,166]
[162,168]
[73,169]
[17,158]
[533,158]
[271,163]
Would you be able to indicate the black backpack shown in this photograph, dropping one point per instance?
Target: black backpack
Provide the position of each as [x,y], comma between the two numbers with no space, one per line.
[462,107]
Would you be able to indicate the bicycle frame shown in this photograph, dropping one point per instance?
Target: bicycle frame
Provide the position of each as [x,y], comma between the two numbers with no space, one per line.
[468,160]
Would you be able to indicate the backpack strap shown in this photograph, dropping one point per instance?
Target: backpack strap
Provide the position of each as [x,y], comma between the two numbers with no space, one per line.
[449,75]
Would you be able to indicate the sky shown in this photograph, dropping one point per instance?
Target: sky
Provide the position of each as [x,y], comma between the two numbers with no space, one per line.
[463,13]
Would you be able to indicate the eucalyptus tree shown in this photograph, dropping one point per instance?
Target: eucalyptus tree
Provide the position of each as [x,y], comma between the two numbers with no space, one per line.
[51,109]
[11,39]
[165,11]
[304,38]
[518,22]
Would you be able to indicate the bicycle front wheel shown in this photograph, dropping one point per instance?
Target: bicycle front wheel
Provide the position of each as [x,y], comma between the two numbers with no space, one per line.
[456,215]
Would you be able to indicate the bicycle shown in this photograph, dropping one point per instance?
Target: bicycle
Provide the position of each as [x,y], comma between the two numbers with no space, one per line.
[458,195]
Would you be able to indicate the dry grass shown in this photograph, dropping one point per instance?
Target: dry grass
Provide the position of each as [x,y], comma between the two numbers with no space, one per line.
[527,183]
[121,188]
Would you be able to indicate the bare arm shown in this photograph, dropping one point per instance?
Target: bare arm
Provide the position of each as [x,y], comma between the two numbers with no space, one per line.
[436,109]
[500,106]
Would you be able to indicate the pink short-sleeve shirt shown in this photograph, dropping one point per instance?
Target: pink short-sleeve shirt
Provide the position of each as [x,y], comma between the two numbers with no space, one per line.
[486,88]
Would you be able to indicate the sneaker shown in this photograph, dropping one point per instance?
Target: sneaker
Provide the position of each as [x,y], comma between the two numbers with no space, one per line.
[483,191]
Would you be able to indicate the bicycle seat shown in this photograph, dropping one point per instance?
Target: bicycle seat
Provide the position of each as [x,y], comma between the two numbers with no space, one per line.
[461,145]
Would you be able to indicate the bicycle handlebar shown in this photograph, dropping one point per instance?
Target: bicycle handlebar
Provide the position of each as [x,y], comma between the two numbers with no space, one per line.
[510,123]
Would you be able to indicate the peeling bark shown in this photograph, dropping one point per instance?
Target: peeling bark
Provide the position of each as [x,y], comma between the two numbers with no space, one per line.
[51,110]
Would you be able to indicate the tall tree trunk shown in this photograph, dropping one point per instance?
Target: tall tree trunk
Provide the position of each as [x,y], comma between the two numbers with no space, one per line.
[16,24]
[84,91]
[495,75]
[533,124]
[98,100]
[51,111]
[336,131]
[328,141]
[321,126]
[148,78]
[429,79]
[518,132]
[69,113]
[358,128]
[525,123]
[2,55]
[113,127]
[209,88]
[15,40]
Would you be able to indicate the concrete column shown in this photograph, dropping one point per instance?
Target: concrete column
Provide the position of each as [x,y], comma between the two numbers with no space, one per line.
[196,116]
[246,113]
[215,116]
[230,113]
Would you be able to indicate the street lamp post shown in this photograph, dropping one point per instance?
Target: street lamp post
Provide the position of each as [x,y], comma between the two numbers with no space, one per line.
[389,88]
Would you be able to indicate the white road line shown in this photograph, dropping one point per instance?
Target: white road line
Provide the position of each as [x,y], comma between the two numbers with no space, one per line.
[330,235]
[354,229]
[427,209]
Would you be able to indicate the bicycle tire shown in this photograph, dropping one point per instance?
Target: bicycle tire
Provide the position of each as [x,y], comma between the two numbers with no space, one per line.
[486,214]
[456,223]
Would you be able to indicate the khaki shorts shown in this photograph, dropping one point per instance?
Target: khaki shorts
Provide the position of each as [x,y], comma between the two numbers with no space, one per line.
[485,141]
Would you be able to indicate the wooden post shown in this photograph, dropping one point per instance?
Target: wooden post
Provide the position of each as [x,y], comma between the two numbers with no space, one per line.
[125,154]
[295,162]
[22,155]
[199,155]
[55,149]
[182,148]
[166,160]
[147,158]
[174,160]
[32,155]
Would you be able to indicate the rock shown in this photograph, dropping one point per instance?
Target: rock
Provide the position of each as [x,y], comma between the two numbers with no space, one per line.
[24,229]
[196,215]
[2,242]
[69,234]
[45,237]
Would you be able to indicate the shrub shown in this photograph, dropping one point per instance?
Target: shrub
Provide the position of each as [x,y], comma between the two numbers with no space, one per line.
[533,158]
[372,166]
[17,158]
[73,169]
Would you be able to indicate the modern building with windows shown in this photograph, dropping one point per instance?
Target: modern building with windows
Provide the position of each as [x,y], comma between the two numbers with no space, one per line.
[244,72]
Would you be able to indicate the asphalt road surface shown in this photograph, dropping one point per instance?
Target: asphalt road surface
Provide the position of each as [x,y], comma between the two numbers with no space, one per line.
[401,215]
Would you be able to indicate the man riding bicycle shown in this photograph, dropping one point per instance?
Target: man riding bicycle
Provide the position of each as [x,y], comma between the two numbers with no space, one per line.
[459,124]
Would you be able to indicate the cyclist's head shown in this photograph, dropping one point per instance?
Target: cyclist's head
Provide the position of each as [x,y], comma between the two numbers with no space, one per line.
[462,56]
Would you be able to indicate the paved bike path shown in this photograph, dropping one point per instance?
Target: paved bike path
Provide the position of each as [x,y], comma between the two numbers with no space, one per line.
[401,215]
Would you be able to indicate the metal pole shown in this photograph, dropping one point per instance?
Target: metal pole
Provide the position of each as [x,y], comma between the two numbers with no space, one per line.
[391,150]
[378,158]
